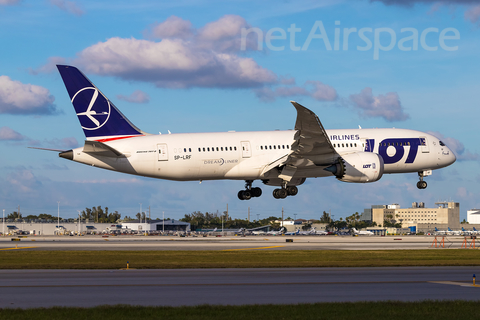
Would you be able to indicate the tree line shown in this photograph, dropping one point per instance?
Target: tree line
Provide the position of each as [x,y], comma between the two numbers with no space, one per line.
[94,214]
[99,215]
[15,215]
[353,221]
[199,220]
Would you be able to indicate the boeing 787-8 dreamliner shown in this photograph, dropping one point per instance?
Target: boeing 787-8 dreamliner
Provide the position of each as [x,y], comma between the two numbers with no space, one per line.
[278,158]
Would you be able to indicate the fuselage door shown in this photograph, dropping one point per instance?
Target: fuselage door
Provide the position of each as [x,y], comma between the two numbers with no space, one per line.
[246,150]
[162,152]
[424,145]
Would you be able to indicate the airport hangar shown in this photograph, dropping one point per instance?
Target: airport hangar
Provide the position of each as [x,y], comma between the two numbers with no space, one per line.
[70,226]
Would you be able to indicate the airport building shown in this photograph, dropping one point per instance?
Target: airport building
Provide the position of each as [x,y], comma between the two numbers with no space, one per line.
[299,224]
[157,225]
[473,216]
[418,218]
[24,226]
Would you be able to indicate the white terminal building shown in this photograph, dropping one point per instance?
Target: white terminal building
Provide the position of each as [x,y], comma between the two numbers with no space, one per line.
[419,218]
[473,216]
[34,227]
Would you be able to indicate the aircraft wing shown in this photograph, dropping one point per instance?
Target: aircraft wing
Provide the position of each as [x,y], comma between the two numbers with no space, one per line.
[311,140]
[312,146]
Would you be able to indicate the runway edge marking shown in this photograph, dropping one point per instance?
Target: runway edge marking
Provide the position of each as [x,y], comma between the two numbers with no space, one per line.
[455,283]
[259,248]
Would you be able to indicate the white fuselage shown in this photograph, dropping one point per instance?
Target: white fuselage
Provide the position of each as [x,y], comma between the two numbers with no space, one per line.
[245,155]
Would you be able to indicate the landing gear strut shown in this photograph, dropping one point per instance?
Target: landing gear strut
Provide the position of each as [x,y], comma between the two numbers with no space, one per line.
[421,184]
[249,192]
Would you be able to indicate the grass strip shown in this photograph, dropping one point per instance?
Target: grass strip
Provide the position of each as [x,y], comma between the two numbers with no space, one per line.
[23,259]
[391,310]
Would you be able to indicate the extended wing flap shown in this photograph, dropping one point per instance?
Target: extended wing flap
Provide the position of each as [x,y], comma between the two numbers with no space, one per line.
[101,149]
[277,163]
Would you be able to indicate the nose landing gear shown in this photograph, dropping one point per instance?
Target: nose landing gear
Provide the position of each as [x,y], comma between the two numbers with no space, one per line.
[423,184]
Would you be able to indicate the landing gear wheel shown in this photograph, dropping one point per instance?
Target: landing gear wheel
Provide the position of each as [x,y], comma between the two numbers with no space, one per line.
[275,193]
[280,193]
[249,192]
[421,184]
[292,190]
[256,192]
[244,195]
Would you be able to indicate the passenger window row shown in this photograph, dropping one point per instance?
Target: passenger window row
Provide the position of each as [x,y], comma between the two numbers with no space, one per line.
[394,144]
[274,147]
[344,145]
[208,149]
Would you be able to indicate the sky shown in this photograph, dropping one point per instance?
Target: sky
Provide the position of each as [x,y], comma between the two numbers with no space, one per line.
[215,66]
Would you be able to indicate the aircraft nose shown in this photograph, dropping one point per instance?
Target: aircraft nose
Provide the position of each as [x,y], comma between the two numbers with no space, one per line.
[448,156]
[453,158]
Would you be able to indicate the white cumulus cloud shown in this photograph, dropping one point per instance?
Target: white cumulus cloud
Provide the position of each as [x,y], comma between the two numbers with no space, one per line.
[314,89]
[177,55]
[137,96]
[8,134]
[386,106]
[173,27]
[472,12]
[172,63]
[19,98]
[8,2]
[68,6]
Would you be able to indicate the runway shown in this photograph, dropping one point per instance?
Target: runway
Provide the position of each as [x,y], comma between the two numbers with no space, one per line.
[87,288]
[227,243]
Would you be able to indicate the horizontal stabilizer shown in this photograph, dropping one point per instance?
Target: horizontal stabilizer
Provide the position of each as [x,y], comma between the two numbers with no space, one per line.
[96,148]
[46,149]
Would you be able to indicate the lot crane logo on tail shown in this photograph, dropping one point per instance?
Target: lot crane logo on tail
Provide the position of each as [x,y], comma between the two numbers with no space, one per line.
[98,110]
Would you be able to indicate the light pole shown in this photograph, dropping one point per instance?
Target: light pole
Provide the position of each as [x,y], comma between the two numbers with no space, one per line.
[79,227]
[140,213]
[58,221]
[3,232]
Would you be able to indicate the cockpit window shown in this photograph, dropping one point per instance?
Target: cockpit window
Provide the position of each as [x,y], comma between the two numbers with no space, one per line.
[441,143]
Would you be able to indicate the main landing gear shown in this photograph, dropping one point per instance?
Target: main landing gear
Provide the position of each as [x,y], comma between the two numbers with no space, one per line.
[249,192]
[421,184]
[284,192]
[280,193]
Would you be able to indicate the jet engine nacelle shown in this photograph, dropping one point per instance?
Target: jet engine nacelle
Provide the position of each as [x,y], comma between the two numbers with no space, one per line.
[360,167]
